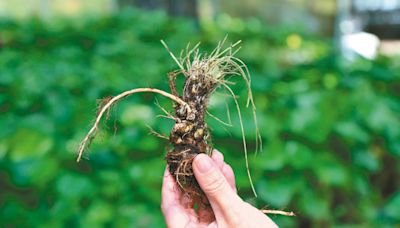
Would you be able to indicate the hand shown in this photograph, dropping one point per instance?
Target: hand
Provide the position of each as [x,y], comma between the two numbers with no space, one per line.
[217,180]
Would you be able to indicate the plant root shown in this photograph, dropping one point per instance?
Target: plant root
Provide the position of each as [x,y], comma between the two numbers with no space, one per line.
[190,136]
[105,108]
[278,212]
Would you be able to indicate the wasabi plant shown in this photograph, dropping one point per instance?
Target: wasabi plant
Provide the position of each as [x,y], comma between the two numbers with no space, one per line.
[203,75]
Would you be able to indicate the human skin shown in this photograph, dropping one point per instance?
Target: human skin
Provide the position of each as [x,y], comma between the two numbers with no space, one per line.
[217,180]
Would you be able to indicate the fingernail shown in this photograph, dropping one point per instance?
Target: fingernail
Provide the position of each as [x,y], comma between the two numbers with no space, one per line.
[203,163]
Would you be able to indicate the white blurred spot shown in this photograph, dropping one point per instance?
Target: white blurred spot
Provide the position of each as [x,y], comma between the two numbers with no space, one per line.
[362,43]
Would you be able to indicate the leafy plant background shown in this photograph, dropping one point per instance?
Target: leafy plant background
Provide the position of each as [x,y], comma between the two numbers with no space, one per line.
[330,127]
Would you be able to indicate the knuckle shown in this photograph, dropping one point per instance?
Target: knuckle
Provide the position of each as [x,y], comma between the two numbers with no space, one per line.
[236,221]
[218,155]
[215,185]
[236,218]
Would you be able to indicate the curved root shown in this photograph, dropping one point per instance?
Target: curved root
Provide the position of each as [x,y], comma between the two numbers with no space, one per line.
[105,108]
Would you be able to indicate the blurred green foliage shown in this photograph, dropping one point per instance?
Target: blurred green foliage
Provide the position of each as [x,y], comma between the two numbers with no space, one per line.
[330,127]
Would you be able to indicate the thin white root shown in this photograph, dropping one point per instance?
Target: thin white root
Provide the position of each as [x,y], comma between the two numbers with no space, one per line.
[89,136]
[218,119]
[277,212]
[155,133]
[173,56]
[167,114]
[243,138]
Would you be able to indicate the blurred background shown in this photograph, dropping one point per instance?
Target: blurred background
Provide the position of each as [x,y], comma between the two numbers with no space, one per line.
[326,82]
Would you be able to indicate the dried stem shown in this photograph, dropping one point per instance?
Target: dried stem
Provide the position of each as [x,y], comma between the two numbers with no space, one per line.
[278,212]
[110,102]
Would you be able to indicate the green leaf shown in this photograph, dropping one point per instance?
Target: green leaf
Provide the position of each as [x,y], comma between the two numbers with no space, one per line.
[391,208]
[299,155]
[273,158]
[366,159]
[99,213]
[35,171]
[28,143]
[72,186]
[330,172]
[313,205]
[277,192]
[137,114]
[352,130]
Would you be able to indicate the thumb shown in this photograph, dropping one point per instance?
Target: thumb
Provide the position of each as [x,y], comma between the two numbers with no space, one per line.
[213,183]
